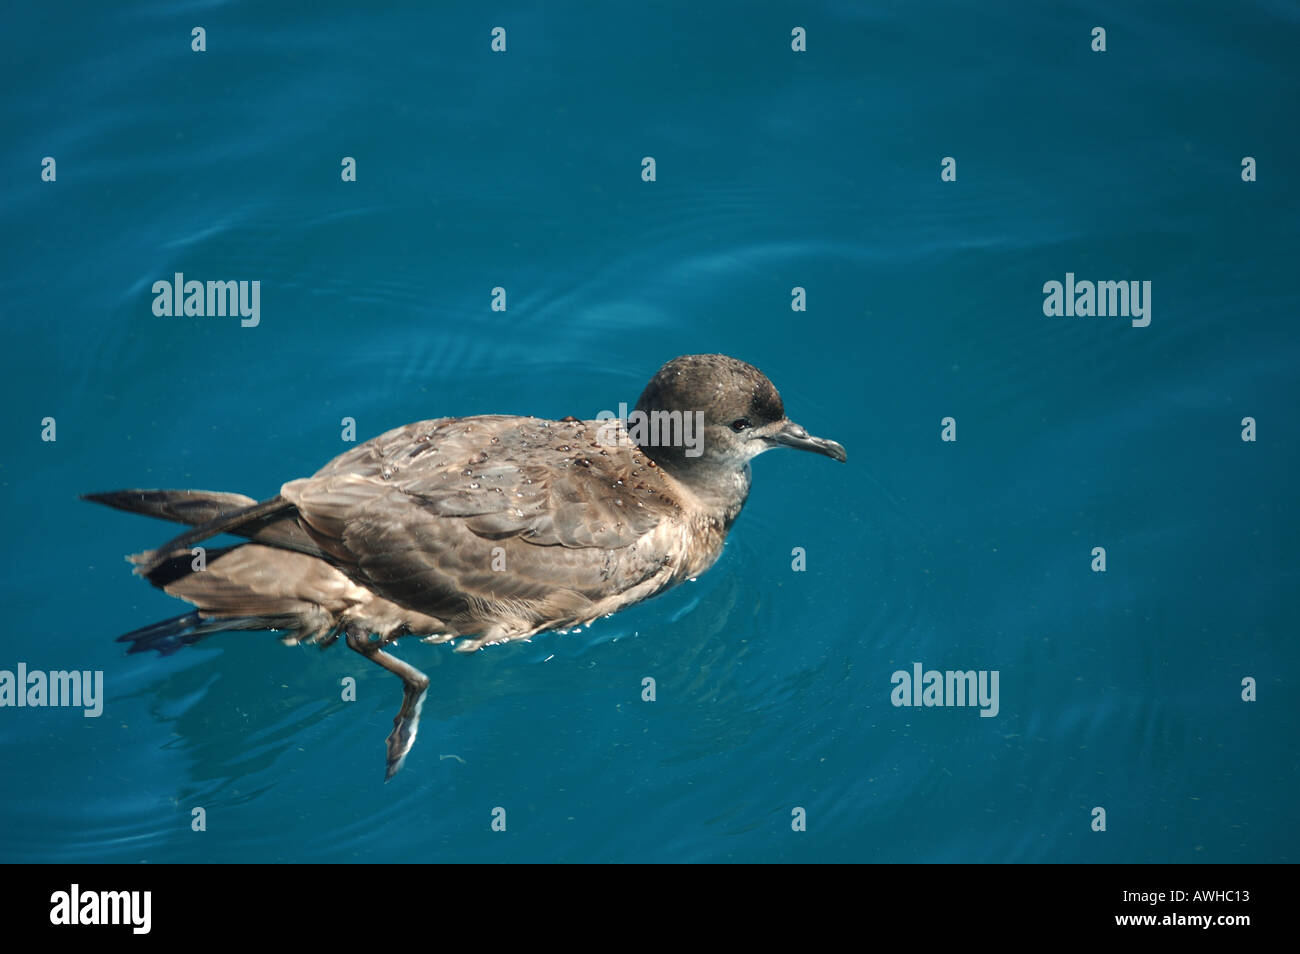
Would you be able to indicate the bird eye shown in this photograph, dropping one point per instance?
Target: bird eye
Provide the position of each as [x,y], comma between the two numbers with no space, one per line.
[740,424]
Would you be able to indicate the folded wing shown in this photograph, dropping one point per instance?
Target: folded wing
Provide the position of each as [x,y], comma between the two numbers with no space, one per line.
[463,517]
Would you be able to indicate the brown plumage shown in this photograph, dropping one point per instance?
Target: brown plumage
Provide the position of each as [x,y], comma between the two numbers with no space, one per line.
[477,529]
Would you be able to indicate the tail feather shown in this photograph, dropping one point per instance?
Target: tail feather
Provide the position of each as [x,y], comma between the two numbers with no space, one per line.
[272,522]
[192,507]
[163,573]
[279,581]
[172,635]
[223,523]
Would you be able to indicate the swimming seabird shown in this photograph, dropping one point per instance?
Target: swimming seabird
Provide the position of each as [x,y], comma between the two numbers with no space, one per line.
[479,529]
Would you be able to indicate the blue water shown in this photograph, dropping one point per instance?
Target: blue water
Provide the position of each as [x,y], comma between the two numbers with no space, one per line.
[775,169]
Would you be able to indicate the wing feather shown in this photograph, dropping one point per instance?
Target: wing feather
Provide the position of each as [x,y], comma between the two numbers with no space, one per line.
[429,514]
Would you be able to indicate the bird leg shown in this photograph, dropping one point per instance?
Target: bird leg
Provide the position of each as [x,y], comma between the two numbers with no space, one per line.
[415,685]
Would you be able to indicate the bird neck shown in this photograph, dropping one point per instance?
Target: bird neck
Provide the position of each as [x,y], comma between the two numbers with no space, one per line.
[719,487]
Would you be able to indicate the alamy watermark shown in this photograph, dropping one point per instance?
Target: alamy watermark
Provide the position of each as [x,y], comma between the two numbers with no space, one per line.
[952,687]
[1086,299]
[197,299]
[652,429]
[75,907]
[36,689]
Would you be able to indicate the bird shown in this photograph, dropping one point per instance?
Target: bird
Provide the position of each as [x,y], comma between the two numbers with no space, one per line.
[474,530]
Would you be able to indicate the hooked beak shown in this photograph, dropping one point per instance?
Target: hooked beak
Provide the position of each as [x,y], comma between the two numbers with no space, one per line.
[791,434]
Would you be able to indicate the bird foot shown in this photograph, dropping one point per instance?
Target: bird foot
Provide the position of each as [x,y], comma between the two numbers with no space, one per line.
[402,737]
[414,686]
